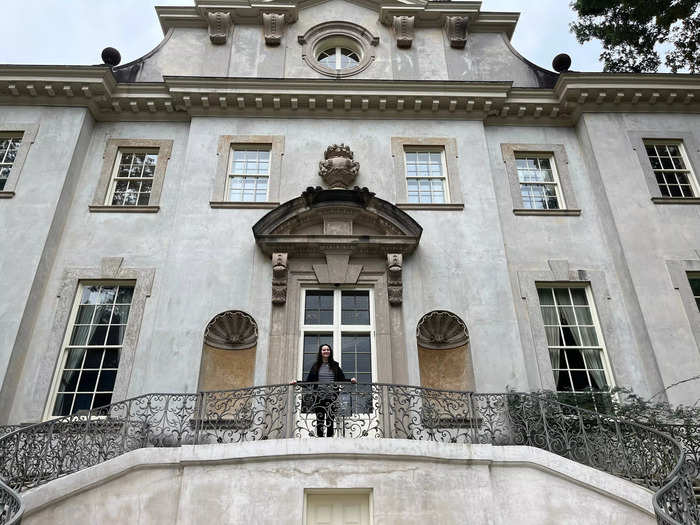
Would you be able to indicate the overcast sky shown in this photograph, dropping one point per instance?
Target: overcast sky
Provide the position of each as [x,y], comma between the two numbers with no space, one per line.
[76,31]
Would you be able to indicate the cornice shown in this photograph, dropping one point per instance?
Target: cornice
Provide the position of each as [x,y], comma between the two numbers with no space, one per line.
[495,103]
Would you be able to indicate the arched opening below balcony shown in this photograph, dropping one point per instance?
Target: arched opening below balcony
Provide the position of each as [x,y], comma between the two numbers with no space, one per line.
[228,352]
[444,355]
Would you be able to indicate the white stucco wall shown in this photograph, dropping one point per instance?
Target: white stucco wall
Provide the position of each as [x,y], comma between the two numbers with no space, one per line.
[411,482]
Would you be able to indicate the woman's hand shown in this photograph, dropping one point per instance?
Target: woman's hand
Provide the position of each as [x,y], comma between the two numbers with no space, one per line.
[353,380]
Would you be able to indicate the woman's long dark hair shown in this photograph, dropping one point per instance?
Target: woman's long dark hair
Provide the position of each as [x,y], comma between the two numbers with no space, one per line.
[332,363]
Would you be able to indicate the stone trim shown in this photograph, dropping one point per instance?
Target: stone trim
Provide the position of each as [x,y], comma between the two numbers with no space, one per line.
[560,213]
[417,455]
[675,200]
[561,161]
[432,206]
[243,205]
[111,269]
[449,146]
[223,152]
[179,99]
[120,209]
[679,271]
[164,147]
[692,150]
[562,273]
[29,132]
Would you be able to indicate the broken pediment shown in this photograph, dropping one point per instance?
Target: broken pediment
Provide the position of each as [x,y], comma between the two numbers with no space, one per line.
[349,222]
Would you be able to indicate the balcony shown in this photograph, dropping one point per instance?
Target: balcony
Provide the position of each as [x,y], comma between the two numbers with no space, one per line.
[37,454]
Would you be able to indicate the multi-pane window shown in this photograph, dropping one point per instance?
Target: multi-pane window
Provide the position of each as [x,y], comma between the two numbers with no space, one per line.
[671,169]
[9,146]
[575,344]
[695,286]
[249,174]
[344,320]
[539,183]
[338,58]
[425,176]
[132,180]
[90,357]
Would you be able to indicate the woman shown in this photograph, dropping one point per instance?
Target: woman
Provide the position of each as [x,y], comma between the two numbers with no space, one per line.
[324,371]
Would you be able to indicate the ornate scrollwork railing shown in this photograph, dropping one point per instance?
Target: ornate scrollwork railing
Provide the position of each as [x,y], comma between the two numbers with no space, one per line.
[33,455]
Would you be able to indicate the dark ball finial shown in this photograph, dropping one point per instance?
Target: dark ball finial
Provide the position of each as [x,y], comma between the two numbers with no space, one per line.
[561,62]
[111,56]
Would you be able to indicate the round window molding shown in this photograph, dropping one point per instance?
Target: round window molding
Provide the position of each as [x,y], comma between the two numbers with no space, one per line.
[232,330]
[441,330]
[359,44]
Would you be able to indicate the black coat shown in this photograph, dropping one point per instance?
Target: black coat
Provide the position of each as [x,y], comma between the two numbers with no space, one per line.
[335,367]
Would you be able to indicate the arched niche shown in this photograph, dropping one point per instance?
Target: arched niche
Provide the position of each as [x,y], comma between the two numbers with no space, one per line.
[228,352]
[443,352]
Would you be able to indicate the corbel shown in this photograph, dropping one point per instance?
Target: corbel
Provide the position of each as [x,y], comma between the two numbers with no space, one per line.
[219,23]
[279,278]
[394,282]
[273,27]
[456,28]
[404,30]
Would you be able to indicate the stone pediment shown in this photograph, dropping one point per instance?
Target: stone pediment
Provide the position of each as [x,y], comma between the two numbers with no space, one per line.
[354,222]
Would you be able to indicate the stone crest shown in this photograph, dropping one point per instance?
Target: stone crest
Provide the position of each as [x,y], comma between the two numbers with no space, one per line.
[339,169]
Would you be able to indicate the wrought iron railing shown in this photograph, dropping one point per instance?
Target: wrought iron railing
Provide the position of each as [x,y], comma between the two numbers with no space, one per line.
[39,453]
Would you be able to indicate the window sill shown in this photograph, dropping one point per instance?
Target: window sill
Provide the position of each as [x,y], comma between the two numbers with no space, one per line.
[7,194]
[675,200]
[123,209]
[560,213]
[430,206]
[244,205]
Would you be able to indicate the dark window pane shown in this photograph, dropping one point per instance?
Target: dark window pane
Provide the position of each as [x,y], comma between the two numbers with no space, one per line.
[69,380]
[80,333]
[120,315]
[82,402]
[97,336]
[575,359]
[111,359]
[88,379]
[580,379]
[563,380]
[63,404]
[116,334]
[103,314]
[85,314]
[326,317]
[124,295]
[695,285]
[106,382]
[75,358]
[545,295]
[93,359]
[102,400]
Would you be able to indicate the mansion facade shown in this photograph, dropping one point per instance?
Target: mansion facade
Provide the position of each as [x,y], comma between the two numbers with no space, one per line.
[389,178]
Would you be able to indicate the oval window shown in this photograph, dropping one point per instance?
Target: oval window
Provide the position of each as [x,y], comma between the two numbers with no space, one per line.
[338,57]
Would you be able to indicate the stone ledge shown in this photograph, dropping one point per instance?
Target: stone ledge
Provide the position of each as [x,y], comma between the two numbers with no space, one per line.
[7,194]
[120,209]
[675,200]
[244,205]
[560,213]
[281,450]
[430,206]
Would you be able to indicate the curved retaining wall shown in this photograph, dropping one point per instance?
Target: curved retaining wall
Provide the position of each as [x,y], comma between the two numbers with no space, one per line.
[411,482]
